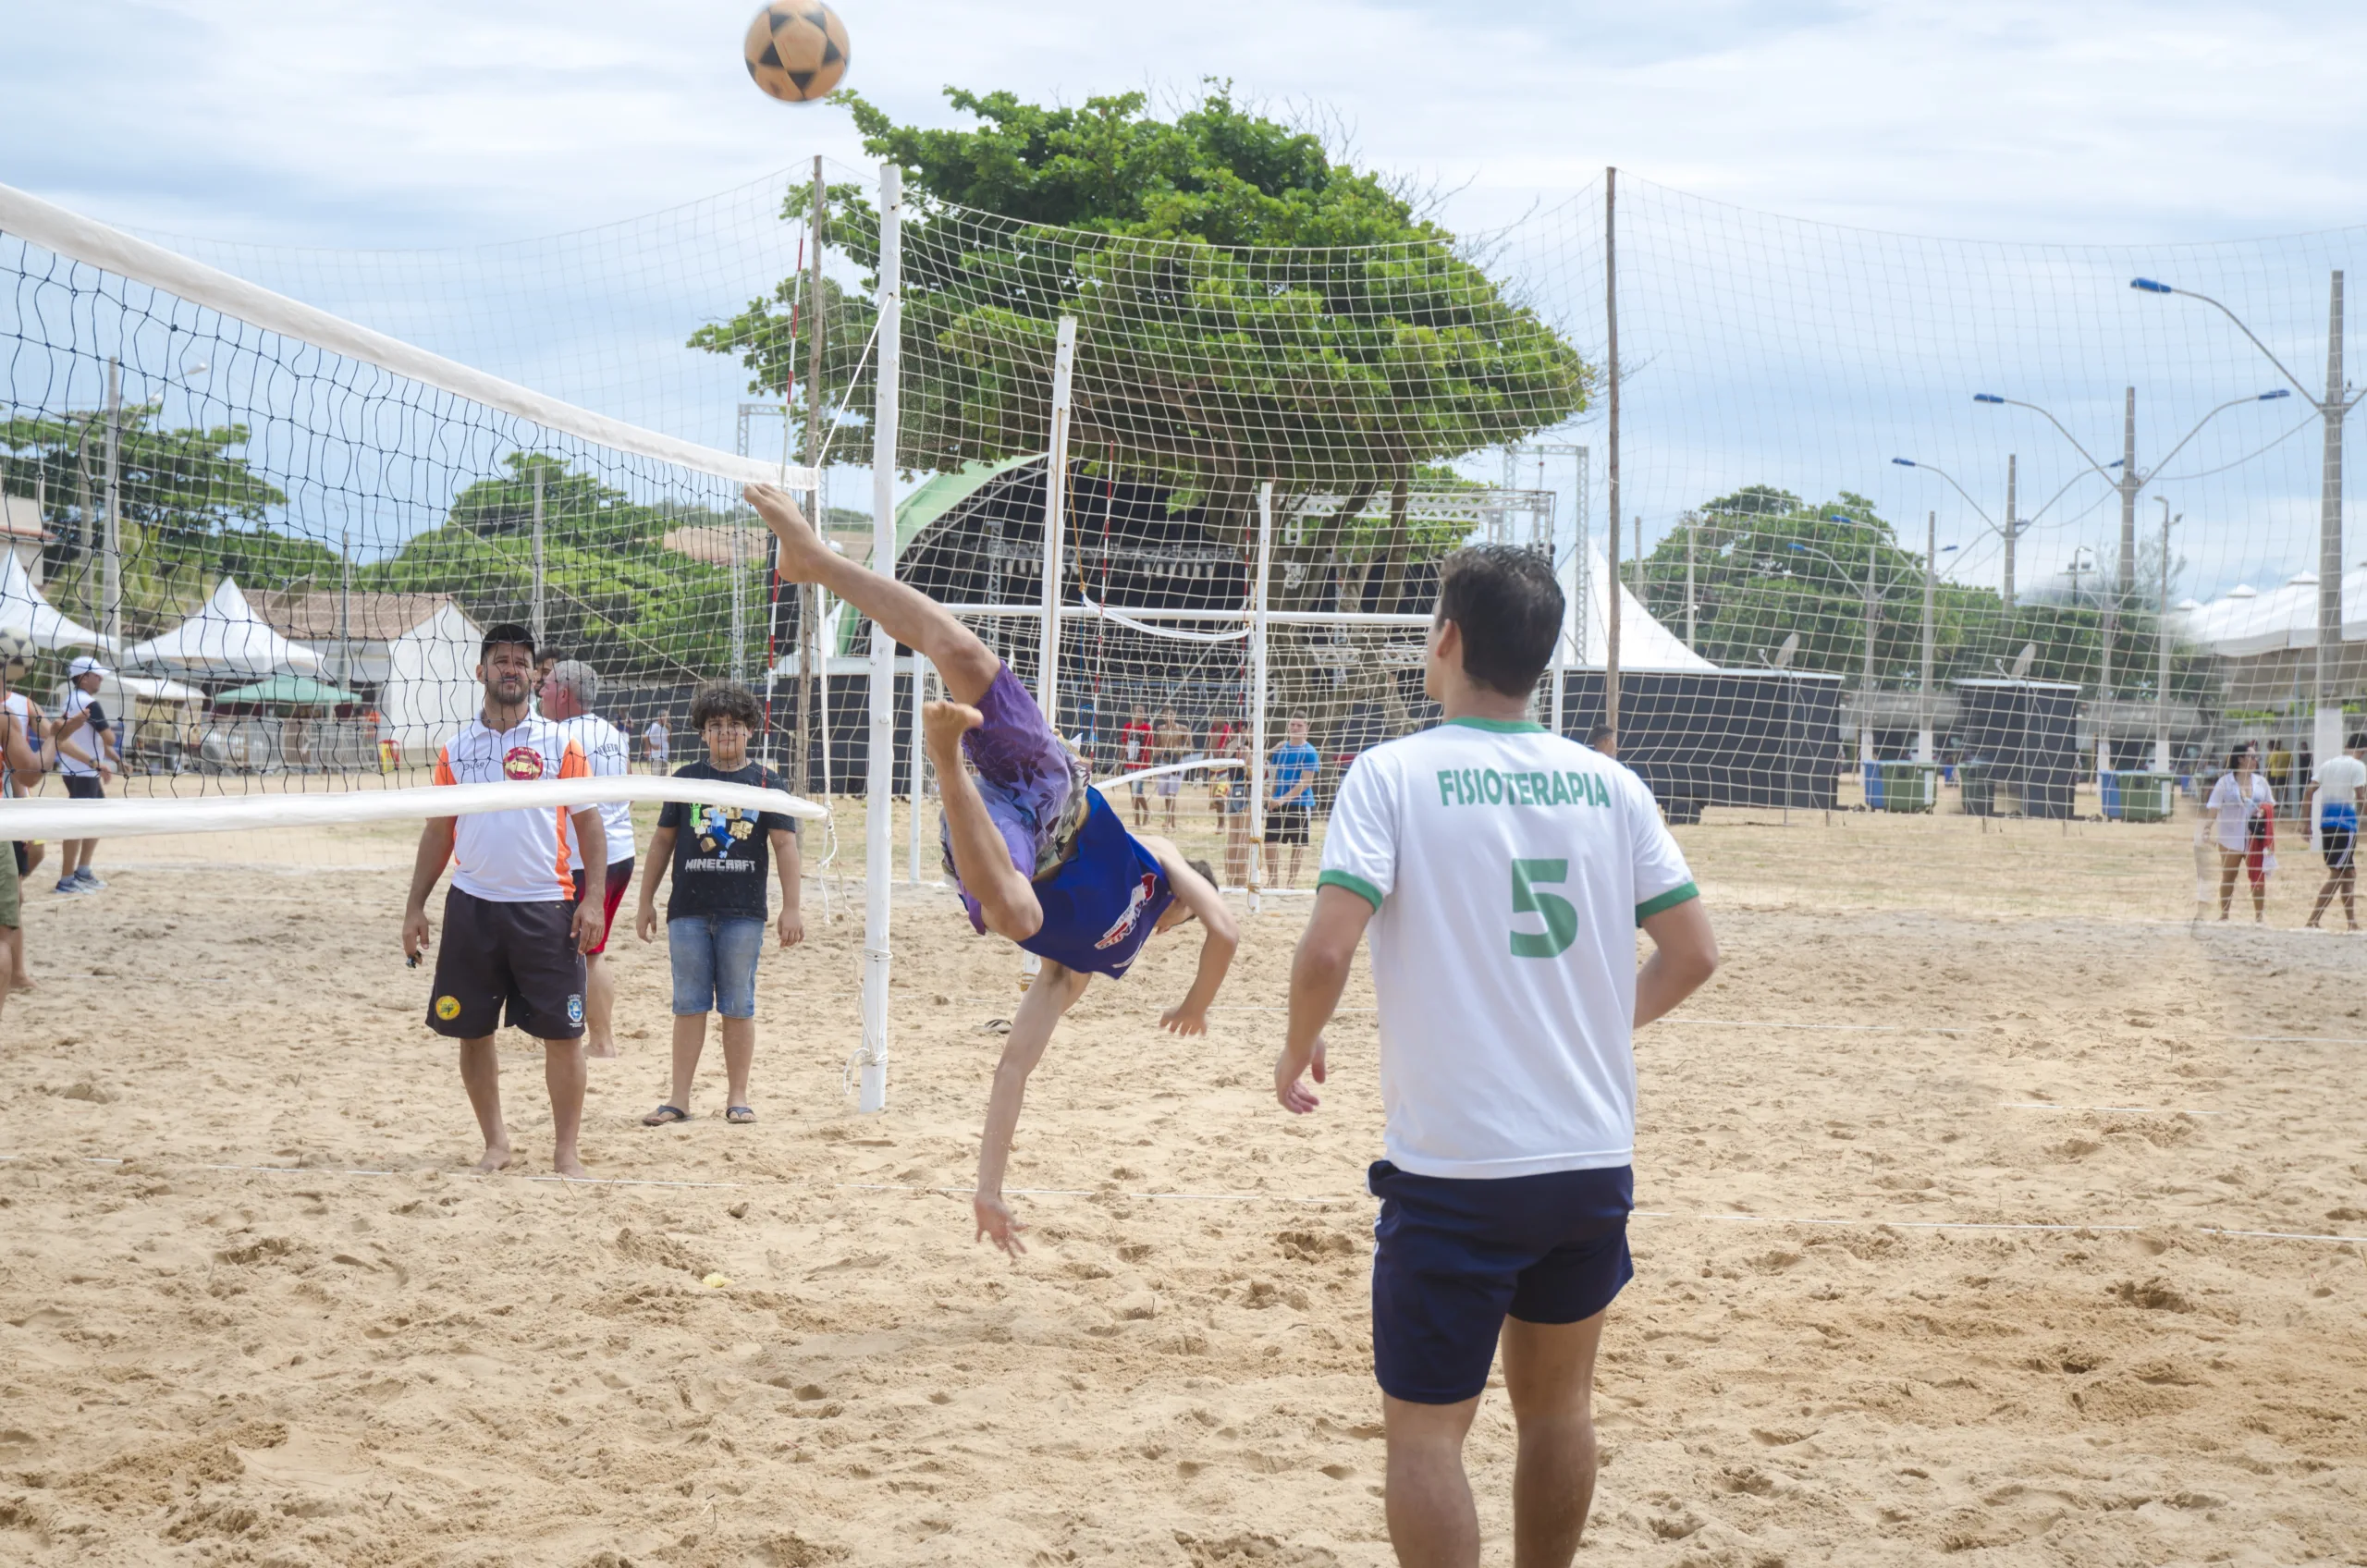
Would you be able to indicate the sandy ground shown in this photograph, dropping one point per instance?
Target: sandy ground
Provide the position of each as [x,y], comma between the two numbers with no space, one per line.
[363,1354]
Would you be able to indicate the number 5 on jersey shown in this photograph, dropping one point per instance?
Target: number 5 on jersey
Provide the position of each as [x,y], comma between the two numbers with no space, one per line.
[1560,917]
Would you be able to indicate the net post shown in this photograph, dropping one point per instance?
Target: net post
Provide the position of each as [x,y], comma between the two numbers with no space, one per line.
[1610,443]
[880,780]
[919,763]
[1924,750]
[111,591]
[537,604]
[1056,489]
[1257,691]
[2326,721]
[811,678]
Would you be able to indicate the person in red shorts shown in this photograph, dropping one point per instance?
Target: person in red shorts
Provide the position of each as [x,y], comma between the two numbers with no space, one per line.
[514,930]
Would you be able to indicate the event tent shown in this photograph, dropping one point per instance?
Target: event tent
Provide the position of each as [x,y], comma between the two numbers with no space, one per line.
[2245,622]
[286,692]
[22,606]
[431,688]
[226,638]
[1644,643]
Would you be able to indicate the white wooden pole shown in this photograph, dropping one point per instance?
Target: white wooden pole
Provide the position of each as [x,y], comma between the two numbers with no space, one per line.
[919,765]
[880,781]
[1257,691]
[1056,486]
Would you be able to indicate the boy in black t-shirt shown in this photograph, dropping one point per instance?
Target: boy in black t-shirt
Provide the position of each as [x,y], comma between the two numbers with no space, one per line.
[715,920]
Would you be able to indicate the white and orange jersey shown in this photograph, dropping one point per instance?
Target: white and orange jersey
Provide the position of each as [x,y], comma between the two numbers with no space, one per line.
[513,857]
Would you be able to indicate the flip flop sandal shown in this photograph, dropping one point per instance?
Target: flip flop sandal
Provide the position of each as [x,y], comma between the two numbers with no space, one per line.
[665,1116]
[738,1115]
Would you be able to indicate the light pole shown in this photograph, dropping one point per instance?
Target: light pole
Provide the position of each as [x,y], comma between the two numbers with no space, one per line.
[2162,677]
[1866,679]
[2129,482]
[2333,409]
[1924,750]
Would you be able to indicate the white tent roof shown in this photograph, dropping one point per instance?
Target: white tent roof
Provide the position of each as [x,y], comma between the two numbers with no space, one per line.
[1644,644]
[22,606]
[224,638]
[431,688]
[2245,622]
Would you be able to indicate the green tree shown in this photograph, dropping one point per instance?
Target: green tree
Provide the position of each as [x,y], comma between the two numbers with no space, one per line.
[1248,309]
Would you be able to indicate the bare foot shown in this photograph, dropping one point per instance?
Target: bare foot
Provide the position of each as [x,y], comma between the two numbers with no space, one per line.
[801,551]
[496,1157]
[605,1049]
[570,1167]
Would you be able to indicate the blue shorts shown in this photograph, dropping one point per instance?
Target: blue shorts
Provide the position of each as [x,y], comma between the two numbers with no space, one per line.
[1032,784]
[1454,1256]
[714,964]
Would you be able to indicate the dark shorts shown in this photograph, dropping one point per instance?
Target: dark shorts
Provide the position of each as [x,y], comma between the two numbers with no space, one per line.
[84,787]
[619,874]
[1289,824]
[2339,845]
[1033,785]
[496,958]
[1453,1257]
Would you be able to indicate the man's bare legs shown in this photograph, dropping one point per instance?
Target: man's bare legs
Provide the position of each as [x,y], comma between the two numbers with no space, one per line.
[1548,1373]
[563,1075]
[967,667]
[2346,882]
[599,1007]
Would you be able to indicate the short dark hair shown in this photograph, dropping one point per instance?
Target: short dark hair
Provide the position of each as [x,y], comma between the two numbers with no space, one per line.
[1509,608]
[1599,734]
[507,631]
[724,700]
[2358,741]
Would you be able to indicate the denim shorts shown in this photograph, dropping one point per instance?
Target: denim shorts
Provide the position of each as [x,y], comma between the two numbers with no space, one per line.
[714,964]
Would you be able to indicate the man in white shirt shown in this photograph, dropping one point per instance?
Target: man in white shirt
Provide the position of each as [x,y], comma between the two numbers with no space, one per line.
[1503,872]
[568,691]
[84,781]
[514,931]
[2333,805]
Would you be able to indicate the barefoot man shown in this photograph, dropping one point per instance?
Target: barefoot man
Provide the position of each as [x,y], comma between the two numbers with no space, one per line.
[1039,856]
[1503,872]
[514,931]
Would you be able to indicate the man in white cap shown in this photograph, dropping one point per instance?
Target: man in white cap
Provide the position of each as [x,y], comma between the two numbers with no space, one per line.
[569,688]
[85,780]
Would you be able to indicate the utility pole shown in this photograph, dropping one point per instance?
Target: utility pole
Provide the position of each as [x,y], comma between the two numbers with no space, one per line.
[1691,521]
[345,607]
[1611,316]
[811,677]
[2123,582]
[2009,531]
[2326,727]
[1866,674]
[2161,676]
[1923,747]
[538,558]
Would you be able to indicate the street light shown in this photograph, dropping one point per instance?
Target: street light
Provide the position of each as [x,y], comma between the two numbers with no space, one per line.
[2332,409]
[1866,679]
[2129,482]
[2014,527]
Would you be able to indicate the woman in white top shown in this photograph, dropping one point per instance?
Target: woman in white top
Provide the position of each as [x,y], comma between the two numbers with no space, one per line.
[2237,802]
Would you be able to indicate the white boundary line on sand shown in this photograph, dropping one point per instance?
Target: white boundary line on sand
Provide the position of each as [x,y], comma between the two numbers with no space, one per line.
[1976,1225]
[2147,1110]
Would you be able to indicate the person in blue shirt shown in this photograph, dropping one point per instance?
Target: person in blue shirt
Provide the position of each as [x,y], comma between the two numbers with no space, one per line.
[1290,794]
[1036,852]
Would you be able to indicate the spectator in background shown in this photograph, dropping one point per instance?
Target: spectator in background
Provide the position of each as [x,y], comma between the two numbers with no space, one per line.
[1173,742]
[1232,810]
[656,742]
[2333,807]
[1604,739]
[2240,805]
[569,688]
[1221,733]
[1290,794]
[85,780]
[1134,743]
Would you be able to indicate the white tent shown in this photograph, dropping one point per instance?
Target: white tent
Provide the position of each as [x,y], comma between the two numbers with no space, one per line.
[226,638]
[22,606]
[432,686]
[2245,622]
[1644,644]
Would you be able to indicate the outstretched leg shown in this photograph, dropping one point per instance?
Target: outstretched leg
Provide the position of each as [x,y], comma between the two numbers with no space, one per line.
[967,666]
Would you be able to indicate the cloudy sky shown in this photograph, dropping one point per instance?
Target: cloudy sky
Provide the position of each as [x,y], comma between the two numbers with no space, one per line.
[339,123]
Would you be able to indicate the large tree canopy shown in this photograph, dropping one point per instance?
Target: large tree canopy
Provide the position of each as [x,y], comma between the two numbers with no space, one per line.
[1247,308]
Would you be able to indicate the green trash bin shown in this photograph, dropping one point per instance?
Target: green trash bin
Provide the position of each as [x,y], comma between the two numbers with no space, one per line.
[1910,786]
[2135,795]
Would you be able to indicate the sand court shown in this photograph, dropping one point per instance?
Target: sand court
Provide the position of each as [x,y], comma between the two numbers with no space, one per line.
[1938,1180]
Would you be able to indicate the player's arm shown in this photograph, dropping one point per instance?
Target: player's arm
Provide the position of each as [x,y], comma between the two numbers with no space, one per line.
[24,758]
[1056,989]
[792,872]
[1685,954]
[592,910]
[1318,974]
[660,862]
[1220,937]
[434,851]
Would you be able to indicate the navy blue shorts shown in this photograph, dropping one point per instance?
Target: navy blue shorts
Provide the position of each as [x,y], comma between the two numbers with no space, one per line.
[1456,1257]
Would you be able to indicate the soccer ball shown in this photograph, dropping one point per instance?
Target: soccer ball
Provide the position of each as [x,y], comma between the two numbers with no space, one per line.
[796,50]
[16,652]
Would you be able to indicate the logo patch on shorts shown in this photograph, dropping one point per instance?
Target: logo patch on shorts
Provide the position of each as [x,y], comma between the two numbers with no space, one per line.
[575,1010]
[521,763]
[447,1008]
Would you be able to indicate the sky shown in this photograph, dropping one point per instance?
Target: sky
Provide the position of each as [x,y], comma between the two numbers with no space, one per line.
[453,123]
